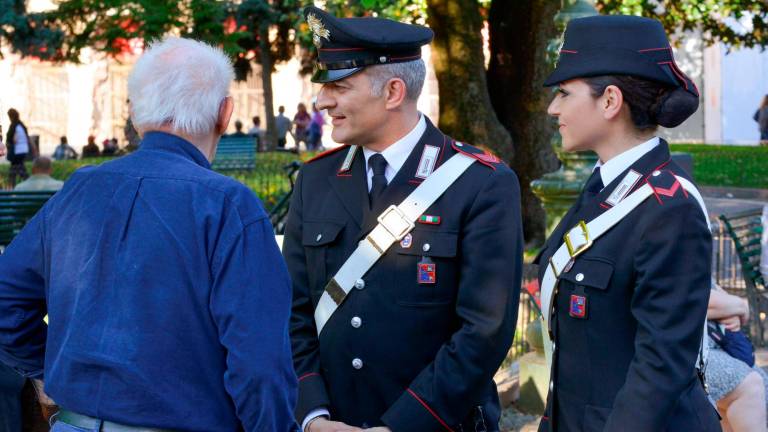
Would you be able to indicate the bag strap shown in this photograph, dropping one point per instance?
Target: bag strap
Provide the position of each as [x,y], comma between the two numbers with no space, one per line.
[394,223]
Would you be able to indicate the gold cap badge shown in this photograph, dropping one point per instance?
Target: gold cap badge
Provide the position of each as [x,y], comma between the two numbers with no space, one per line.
[318,30]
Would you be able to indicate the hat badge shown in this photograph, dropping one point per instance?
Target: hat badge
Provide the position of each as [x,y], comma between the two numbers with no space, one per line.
[318,30]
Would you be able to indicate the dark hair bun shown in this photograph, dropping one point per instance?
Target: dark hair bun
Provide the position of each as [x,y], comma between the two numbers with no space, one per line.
[676,106]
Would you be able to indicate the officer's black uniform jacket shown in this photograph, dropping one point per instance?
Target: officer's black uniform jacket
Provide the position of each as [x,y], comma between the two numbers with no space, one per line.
[630,365]
[429,352]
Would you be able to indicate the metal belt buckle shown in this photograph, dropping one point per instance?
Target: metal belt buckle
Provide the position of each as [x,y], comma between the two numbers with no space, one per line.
[395,222]
[578,250]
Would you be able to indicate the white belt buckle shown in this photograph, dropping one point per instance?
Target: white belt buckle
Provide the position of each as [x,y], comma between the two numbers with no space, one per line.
[395,222]
[585,242]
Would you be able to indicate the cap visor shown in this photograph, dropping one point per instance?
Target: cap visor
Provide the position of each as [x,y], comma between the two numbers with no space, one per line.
[326,76]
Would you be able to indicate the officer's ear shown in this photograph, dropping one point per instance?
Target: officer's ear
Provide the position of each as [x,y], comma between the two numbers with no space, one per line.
[395,93]
[611,102]
[226,107]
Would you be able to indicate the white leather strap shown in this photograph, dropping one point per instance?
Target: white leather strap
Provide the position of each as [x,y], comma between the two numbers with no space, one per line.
[581,238]
[394,224]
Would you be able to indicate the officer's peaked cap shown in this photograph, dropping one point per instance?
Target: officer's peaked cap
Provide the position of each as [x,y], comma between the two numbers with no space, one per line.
[347,45]
[622,45]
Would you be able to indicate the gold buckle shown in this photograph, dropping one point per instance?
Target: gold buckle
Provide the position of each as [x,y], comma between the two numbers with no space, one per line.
[395,222]
[580,249]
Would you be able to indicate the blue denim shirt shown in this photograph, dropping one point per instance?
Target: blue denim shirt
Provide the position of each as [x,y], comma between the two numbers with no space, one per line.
[167,297]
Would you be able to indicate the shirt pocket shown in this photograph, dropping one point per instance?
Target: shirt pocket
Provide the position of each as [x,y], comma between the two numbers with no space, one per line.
[423,247]
[317,238]
[591,273]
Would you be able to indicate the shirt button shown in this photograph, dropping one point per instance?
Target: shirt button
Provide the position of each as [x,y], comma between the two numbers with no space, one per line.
[357,363]
[356,322]
[319,237]
[426,247]
[359,284]
[579,277]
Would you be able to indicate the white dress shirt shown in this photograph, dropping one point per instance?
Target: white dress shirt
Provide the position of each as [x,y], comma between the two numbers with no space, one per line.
[618,164]
[397,153]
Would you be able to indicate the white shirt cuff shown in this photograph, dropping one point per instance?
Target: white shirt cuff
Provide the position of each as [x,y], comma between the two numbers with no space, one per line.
[315,413]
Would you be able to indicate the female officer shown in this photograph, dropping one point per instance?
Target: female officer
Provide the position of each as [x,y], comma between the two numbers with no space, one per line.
[625,306]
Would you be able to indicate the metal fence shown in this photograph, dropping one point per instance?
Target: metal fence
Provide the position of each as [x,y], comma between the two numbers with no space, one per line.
[726,268]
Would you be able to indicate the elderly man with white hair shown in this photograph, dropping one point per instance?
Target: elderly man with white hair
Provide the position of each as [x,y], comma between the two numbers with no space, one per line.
[167,297]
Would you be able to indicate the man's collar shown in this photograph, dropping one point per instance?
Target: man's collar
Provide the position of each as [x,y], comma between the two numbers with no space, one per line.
[397,153]
[162,141]
[618,164]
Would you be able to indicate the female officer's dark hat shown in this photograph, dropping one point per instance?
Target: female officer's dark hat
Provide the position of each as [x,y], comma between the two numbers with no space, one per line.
[347,45]
[626,45]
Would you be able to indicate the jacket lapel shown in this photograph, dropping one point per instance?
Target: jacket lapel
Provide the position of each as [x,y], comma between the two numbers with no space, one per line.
[352,188]
[405,180]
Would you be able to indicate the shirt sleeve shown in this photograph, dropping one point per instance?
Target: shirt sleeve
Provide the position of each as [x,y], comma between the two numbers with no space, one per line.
[251,304]
[22,301]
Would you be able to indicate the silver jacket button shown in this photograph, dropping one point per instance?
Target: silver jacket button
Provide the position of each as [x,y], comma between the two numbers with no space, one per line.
[356,322]
[319,237]
[359,284]
[357,363]
[579,277]
[426,247]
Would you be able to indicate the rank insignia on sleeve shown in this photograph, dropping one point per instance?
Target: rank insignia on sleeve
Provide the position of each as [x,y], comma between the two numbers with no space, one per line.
[578,307]
[427,271]
[429,219]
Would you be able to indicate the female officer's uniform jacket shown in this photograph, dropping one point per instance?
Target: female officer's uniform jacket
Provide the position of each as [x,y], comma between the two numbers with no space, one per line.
[412,356]
[628,316]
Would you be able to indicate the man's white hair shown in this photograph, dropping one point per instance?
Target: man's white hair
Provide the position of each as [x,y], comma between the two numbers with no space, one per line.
[411,72]
[181,83]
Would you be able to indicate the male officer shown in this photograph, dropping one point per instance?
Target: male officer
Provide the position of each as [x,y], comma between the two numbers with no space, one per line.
[395,326]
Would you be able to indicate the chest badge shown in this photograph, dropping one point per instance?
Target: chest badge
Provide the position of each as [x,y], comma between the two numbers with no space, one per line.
[429,219]
[578,307]
[427,271]
[407,241]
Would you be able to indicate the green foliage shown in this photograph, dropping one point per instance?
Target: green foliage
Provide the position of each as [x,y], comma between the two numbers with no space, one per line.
[268,180]
[28,34]
[711,16]
[727,165]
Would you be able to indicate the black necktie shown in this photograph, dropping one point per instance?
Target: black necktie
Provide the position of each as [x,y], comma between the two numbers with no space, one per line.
[379,181]
[592,187]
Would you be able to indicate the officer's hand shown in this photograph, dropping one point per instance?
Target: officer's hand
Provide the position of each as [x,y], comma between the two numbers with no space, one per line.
[324,425]
[731,323]
[378,429]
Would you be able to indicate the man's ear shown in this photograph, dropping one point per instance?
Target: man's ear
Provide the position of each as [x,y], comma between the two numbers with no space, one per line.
[226,108]
[611,102]
[396,93]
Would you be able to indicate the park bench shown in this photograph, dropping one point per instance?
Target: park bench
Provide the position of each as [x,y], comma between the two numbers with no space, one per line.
[745,229]
[235,153]
[16,208]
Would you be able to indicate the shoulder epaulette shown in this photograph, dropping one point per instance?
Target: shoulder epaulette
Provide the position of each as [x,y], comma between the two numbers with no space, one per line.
[328,153]
[484,157]
[665,185]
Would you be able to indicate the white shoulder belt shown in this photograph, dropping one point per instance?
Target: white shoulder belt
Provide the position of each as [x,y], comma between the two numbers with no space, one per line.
[394,224]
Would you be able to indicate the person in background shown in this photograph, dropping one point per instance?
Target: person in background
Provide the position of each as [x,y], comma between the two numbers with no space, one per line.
[2,145]
[316,130]
[257,132]
[238,130]
[17,147]
[738,388]
[301,122]
[761,117]
[64,151]
[167,297]
[41,179]
[110,147]
[91,149]
[283,126]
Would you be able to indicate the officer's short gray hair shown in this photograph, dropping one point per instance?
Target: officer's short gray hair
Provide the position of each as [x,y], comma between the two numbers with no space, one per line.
[181,83]
[412,73]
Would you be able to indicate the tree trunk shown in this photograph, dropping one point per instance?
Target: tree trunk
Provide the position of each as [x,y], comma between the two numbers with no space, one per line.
[265,58]
[519,34]
[457,54]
